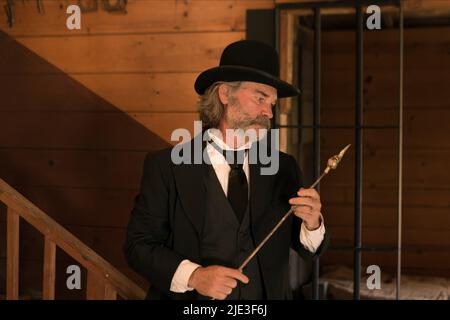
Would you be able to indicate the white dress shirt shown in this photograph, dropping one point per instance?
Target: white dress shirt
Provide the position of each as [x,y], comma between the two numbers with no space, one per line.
[311,240]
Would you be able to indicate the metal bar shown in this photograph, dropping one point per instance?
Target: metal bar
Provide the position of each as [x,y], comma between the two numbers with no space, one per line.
[316,131]
[340,4]
[358,119]
[400,156]
[277,47]
[358,151]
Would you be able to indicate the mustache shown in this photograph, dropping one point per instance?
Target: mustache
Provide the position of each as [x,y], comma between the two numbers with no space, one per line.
[259,120]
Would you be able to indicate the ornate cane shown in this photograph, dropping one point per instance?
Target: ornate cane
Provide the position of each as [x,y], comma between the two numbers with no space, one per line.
[331,164]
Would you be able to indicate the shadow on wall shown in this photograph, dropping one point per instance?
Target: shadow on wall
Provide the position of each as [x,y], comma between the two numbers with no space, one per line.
[73,154]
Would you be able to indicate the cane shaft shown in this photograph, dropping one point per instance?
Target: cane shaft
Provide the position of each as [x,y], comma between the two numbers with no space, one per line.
[255,251]
[244,264]
[332,164]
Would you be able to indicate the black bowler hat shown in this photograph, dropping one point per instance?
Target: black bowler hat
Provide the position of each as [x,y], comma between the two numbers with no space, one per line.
[247,60]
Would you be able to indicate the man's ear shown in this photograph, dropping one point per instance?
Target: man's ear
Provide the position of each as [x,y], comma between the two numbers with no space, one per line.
[223,91]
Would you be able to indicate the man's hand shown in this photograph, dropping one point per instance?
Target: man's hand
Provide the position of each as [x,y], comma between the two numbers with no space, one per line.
[308,207]
[216,281]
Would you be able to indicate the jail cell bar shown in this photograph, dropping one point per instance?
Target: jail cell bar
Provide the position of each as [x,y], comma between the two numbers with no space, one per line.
[358,127]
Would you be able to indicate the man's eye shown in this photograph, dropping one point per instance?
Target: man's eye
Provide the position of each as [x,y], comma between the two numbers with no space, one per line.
[261,100]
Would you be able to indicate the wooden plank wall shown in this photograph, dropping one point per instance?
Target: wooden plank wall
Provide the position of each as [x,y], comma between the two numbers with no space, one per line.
[81,108]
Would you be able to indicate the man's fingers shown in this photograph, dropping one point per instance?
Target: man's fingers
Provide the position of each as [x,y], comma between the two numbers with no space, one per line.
[303,215]
[236,274]
[303,202]
[311,193]
[220,296]
[230,282]
[304,210]
[224,290]
[313,204]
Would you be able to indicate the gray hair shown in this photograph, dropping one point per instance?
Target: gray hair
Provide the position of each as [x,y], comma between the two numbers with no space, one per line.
[209,105]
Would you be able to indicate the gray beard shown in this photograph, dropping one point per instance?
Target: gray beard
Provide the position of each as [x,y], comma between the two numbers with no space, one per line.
[246,122]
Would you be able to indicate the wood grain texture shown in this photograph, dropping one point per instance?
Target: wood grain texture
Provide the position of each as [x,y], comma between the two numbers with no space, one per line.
[48,286]
[81,109]
[68,242]
[187,52]
[152,92]
[143,16]
[12,255]
[97,289]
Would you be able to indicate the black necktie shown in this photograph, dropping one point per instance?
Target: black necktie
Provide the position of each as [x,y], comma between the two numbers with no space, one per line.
[237,192]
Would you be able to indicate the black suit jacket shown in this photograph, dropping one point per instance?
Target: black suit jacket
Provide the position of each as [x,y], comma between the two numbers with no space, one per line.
[167,219]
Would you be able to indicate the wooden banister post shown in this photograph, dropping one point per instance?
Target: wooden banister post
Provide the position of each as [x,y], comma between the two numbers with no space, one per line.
[48,292]
[12,255]
[111,281]
[98,289]
[110,293]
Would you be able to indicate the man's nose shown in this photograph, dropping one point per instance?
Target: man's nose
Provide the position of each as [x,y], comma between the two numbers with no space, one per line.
[267,111]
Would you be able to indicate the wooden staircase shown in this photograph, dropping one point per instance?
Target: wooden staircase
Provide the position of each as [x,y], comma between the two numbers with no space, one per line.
[104,282]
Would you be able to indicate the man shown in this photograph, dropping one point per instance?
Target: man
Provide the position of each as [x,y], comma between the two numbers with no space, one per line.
[194,224]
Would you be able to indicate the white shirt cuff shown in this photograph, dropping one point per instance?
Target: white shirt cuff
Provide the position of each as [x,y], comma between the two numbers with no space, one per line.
[181,276]
[311,240]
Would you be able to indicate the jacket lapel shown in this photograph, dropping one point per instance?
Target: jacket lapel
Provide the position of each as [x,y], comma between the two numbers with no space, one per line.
[190,182]
[260,196]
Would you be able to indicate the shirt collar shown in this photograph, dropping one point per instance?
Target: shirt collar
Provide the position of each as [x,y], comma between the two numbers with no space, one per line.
[216,136]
